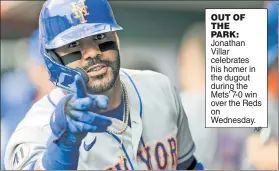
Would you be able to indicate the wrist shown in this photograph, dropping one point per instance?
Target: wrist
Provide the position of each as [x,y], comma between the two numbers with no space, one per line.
[61,156]
[68,141]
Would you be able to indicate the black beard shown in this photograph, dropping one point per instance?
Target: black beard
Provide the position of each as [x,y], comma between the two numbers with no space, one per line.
[103,86]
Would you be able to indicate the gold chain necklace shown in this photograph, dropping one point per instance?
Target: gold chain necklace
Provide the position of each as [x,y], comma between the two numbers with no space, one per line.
[125,122]
[126,113]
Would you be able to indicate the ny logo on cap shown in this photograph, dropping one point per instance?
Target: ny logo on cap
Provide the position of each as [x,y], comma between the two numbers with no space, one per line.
[80,10]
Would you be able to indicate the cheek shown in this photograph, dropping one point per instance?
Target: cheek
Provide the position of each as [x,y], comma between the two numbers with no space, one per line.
[74,64]
[110,55]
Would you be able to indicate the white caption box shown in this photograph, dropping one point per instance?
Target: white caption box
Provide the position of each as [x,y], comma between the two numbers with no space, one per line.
[236,68]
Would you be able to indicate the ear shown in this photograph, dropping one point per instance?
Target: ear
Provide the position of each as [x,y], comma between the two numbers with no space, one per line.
[117,40]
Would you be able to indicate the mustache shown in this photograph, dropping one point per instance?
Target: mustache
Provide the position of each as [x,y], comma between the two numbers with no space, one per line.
[96,60]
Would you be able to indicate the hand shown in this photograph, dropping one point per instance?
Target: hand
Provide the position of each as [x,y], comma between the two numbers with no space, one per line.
[73,114]
[72,120]
[79,109]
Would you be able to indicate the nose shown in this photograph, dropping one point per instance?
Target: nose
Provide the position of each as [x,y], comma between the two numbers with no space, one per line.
[90,49]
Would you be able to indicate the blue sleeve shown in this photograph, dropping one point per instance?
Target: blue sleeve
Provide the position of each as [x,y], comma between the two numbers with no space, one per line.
[60,156]
[61,153]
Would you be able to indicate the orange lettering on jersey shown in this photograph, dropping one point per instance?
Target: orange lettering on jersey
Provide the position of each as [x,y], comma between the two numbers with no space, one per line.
[161,156]
[110,168]
[144,156]
[126,164]
[119,166]
[173,151]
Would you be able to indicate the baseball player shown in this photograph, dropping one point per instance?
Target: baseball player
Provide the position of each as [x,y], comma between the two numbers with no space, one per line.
[100,116]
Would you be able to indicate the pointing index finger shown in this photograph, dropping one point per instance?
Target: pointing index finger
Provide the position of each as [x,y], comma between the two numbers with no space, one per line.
[80,87]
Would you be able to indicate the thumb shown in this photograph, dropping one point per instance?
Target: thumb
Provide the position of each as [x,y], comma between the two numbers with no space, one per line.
[81,91]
